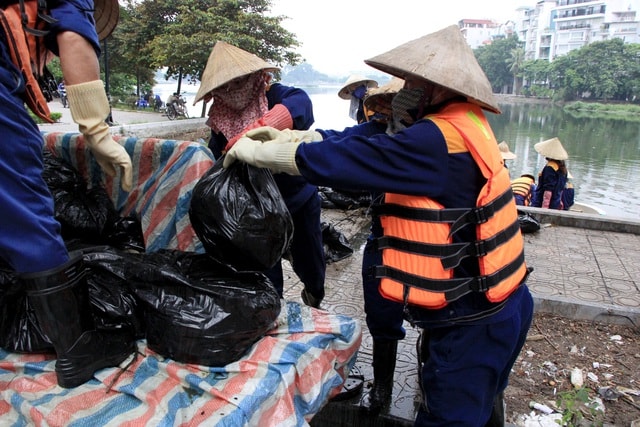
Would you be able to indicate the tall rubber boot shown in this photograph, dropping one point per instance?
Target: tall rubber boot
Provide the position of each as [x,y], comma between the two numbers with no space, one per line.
[384,365]
[60,299]
[497,414]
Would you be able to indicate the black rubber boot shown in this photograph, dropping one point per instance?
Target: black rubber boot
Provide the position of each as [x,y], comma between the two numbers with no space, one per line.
[497,414]
[60,299]
[384,365]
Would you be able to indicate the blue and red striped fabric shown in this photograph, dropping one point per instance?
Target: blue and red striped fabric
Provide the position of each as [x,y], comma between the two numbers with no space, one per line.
[164,174]
[283,380]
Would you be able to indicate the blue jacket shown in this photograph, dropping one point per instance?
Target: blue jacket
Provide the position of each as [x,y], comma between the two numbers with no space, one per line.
[414,161]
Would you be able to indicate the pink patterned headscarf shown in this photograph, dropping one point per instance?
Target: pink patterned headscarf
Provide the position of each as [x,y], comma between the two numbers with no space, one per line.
[234,109]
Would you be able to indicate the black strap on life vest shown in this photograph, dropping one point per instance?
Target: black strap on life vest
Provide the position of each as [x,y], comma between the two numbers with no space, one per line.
[456,287]
[450,254]
[459,217]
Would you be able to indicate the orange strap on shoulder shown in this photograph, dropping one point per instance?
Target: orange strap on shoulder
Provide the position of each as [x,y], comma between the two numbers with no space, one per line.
[20,56]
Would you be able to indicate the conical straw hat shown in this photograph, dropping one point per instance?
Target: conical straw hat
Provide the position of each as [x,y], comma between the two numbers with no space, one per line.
[106,14]
[352,83]
[227,62]
[552,149]
[443,58]
[379,99]
[505,152]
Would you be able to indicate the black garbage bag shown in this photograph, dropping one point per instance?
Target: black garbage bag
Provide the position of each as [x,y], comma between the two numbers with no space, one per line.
[198,310]
[528,224]
[83,213]
[19,329]
[112,303]
[240,217]
[336,245]
[343,199]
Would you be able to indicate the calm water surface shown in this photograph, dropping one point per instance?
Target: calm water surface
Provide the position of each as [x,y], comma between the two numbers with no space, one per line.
[604,154]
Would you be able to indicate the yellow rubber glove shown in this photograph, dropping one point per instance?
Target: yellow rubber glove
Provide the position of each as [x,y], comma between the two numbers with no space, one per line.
[89,108]
[272,135]
[279,157]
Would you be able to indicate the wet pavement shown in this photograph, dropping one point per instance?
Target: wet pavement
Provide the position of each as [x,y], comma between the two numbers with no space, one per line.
[586,267]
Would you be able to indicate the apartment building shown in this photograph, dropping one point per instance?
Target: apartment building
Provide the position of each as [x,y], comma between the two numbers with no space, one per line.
[553,28]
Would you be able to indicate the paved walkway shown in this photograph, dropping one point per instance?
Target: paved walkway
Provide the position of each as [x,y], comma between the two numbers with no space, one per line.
[585,267]
[580,273]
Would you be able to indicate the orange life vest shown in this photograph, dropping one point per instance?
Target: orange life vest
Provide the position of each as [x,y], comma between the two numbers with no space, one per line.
[417,248]
[522,187]
[24,23]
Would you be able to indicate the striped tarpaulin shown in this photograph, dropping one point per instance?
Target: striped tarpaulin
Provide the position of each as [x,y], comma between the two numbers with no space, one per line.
[164,174]
[283,380]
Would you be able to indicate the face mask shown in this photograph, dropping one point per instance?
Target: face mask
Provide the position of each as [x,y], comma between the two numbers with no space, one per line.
[405,101]
[353,108]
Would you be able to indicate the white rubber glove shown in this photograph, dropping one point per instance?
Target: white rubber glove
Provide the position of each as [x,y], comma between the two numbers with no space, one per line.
[272,135]
[89,108]
[279,157]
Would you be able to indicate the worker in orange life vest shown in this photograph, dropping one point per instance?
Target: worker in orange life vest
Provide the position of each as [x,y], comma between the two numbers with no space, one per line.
[451,246]
[523,189]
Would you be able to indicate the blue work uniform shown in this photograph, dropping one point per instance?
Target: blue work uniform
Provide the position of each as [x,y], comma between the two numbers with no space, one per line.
[301,197]
[383,316]
[473,343]
[551,180]
[31,240]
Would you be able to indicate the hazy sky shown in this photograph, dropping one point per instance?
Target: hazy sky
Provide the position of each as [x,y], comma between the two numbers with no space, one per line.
[336,36]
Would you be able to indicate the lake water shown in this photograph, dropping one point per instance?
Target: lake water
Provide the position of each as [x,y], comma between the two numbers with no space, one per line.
[604,154]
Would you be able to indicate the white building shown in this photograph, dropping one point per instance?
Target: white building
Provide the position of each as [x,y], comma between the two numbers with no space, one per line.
[553,28]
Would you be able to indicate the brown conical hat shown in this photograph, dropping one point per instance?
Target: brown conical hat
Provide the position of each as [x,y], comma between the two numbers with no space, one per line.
[227,62]
[552,149]
[106,14]
[353,82]
[505,152]
[443,58]
[379,98]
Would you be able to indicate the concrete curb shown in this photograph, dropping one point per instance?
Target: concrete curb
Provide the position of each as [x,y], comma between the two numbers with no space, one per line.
[601,313]
[164,129]
[583,220]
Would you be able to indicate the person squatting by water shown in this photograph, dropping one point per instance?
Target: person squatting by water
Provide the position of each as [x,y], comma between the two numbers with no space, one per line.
[445,190]
[244,98]
[31,244]
[552,180]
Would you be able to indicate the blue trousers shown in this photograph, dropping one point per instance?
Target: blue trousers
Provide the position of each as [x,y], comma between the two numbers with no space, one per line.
[469,365]
[307,250]
[31,240]
[383,316]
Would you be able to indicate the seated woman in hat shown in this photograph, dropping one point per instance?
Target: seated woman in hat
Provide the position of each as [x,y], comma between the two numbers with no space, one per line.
[553,178]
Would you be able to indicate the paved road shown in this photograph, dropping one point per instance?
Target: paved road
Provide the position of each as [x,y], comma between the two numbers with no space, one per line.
[120,117]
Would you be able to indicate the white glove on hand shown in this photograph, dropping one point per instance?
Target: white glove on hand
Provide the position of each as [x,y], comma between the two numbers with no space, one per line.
[273,135]
[279,157]
[89,108]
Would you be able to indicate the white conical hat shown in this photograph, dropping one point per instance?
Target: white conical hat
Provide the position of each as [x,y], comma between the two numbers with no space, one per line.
[443,58]
[353,82]
[552,149]
[505,152]
[227,62]
[379,99]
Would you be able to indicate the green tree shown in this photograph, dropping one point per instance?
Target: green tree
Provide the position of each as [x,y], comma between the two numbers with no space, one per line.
[514,63]
[495,59]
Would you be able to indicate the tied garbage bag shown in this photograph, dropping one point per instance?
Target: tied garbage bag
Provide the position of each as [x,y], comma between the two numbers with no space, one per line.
[336,245]
[240,217]
[198,310]
[528,224]
[83,213]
